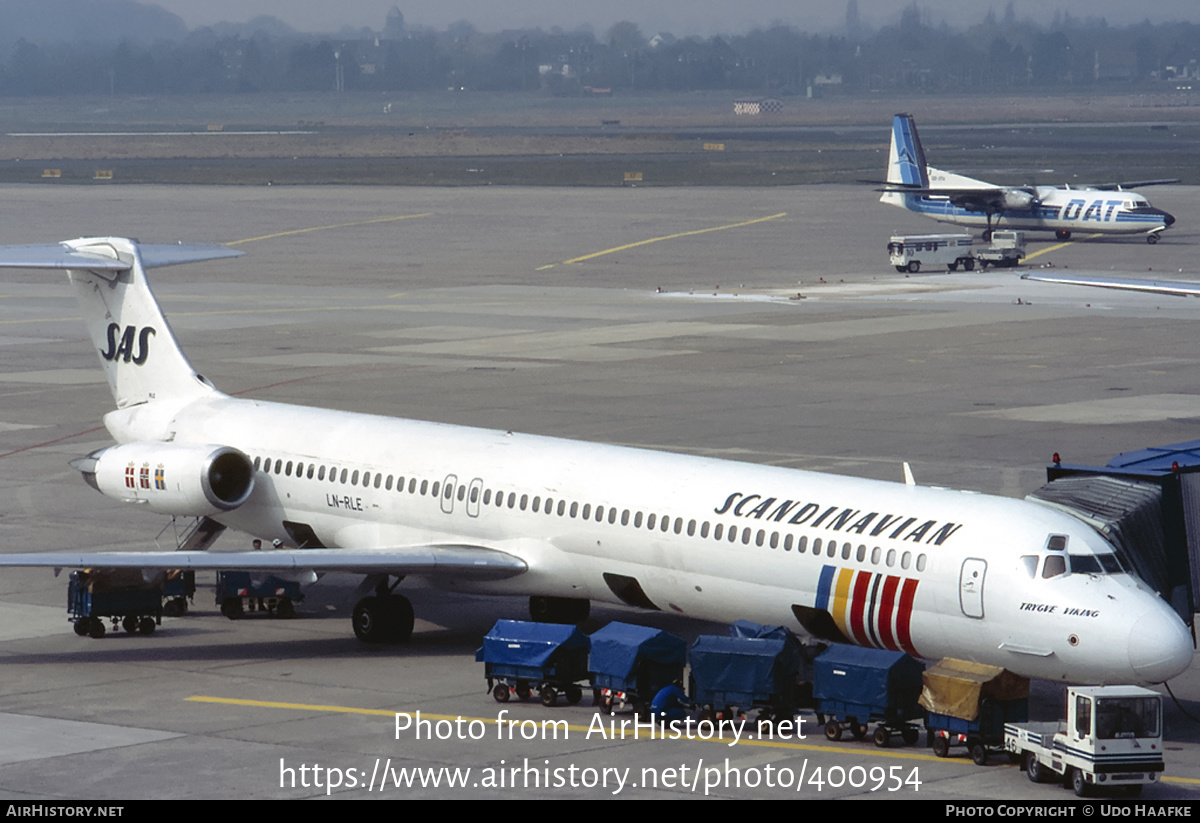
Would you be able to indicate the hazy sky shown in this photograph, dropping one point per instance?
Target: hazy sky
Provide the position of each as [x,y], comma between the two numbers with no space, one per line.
[680,17]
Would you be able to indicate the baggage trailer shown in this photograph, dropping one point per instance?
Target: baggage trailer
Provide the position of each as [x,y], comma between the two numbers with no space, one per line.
[908,253]
[122,595]
[239,592]
[629,664]
[741,673]
[855,686]
[968,704]
[520,656]
[1112,738]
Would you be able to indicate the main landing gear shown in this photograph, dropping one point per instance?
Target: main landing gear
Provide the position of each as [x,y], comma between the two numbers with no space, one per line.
[384,617]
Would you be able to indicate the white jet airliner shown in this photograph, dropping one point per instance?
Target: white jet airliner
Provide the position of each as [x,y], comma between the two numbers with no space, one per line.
[963,201]
[934,572]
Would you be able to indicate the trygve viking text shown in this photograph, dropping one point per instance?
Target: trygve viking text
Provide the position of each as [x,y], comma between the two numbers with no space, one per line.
[837,518]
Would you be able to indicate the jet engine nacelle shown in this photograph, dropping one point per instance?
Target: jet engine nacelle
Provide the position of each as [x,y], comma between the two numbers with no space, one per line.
[171,478]
[1018,199]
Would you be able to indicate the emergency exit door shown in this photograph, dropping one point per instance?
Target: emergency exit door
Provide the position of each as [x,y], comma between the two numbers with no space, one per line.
[970,586]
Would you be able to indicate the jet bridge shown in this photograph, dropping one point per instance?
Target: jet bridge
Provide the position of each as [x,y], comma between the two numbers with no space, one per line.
[1147,504]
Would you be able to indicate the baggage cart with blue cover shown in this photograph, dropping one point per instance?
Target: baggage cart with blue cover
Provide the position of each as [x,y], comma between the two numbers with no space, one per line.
[519,656]
[629,664]
[123,595]
[238,592]
[745,672]
[854,686]
[967,704]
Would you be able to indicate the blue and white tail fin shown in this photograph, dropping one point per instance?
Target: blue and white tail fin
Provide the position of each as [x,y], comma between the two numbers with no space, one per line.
[138,351]
[906,160]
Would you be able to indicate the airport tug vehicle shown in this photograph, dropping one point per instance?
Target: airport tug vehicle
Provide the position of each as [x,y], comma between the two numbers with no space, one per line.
[1111,738]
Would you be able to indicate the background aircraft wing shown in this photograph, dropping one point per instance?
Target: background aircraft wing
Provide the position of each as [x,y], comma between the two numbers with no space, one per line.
[474,562]
[1133,184]
[1176,288]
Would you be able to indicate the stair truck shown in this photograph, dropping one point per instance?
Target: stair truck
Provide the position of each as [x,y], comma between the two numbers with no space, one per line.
[1111,738]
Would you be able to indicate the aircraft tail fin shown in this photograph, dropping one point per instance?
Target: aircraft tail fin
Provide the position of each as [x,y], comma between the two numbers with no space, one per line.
[906,161]
[138,351]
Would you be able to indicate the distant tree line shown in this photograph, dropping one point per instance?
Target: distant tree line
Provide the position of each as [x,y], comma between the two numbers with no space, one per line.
[999,53]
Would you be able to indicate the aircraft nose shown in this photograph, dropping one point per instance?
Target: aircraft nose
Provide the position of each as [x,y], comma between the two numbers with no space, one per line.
[1168,219]
[1160,646]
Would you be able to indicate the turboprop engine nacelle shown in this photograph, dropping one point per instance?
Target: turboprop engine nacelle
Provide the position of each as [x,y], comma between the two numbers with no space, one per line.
[1018,199]
[171,478]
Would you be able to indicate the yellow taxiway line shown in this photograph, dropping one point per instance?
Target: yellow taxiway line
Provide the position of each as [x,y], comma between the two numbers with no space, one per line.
[325,228]
[1058,246]
[647,242]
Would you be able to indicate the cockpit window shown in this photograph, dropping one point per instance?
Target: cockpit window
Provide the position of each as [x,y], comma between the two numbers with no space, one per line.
[1055,565]
[1085,564]
[1057,542]
[1110,563]
[1028,564]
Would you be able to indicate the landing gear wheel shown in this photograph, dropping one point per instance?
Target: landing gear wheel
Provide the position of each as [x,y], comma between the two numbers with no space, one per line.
[96,628]
[368,621]
[130,624]
[386,619]
[1034,769]
[979,753]
[548,695]
[81,627]
[833,730]
[500,694]
[914,266]
[910,735]
[567,610]
[146,625]
[941,746]
[881,736]
[1152,239]
[1062,235]
[574,695]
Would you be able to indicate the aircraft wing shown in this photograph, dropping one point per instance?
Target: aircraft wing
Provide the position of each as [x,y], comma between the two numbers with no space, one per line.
[1175,288]
[1133,184]
[980,200]
[64,256]
[474,562]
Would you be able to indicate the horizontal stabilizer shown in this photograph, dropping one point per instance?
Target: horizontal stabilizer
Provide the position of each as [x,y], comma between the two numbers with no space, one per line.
[1175,288]
[472,562]
[71,256]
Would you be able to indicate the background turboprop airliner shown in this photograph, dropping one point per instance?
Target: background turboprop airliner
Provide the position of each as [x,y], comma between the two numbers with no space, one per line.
[934,572]
[963,201]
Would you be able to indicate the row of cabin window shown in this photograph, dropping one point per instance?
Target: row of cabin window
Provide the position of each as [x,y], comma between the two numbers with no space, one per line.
[600,513]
